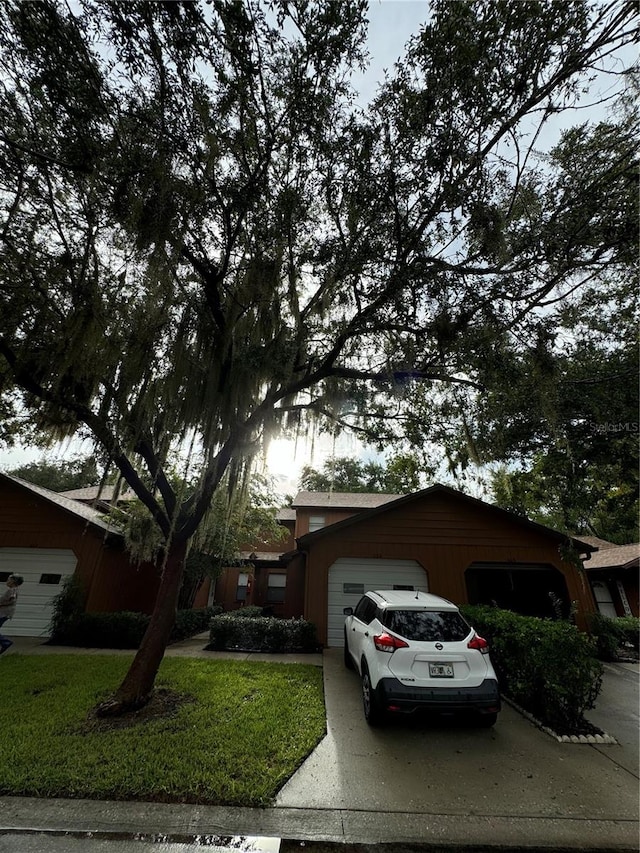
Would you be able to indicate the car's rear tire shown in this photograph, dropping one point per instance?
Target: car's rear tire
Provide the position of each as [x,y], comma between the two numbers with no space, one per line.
[485,721]
[348,660]
[373,713]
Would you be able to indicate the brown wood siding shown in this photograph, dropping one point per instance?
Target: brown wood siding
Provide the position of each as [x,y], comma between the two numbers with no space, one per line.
[289,543]
[225,591]
[110,582]
[201,599]
[331,516]
[445,536]
[118,584]
[295,586]
[630,582]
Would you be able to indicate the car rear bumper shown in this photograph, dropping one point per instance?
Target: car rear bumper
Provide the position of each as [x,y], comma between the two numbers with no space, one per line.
[393,695]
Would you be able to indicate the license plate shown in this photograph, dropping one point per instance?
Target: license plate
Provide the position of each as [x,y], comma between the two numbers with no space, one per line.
[441,670]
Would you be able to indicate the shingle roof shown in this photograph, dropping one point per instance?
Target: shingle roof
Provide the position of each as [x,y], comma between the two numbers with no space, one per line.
[342,500]
[286,514]
[77,508]
[618,555]
[600,544]
[102,493]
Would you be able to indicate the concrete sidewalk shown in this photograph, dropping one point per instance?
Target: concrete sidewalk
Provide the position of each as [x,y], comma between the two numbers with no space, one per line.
[441,786]
[191,647]
[194,826]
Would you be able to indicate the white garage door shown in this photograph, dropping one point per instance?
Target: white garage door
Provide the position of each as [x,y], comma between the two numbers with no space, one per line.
[351,577]
[43,570]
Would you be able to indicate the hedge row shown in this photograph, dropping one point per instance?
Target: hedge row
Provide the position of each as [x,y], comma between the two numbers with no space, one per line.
[613,635]
[548,667]
[234,631]
[124,629]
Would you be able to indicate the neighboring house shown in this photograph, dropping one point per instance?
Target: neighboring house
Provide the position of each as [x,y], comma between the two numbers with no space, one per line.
[45,536]
[613,574]
[101,497]
[437,539]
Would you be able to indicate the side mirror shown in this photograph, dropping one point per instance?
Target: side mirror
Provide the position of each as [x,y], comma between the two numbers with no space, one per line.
[348,611]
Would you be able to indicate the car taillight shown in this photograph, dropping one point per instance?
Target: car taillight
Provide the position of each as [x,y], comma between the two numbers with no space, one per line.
[479,643]
[387,643]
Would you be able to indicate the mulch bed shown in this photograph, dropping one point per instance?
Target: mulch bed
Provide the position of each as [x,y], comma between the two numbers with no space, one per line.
[164,704]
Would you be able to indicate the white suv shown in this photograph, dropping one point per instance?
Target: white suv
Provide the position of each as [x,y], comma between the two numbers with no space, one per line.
[415,651]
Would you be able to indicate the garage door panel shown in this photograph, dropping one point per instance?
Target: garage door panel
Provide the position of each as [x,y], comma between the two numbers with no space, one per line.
[351,577]
[43,570]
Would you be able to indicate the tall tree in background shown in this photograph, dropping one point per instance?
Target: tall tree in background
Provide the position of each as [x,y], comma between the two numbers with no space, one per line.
[60,476]
[558,409]
[570,417]
[401,474]
[571,426]
[205,239]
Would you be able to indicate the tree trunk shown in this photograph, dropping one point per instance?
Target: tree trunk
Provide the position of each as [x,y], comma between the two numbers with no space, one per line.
[136,688]
[190,587]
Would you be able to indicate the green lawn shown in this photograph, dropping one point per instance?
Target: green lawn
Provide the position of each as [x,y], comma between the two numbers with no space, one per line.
[246,729]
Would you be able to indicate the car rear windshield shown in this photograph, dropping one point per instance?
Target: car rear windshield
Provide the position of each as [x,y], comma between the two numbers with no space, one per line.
[427,625]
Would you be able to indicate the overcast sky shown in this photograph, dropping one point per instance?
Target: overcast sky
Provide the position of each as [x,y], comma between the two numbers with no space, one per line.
[391,24]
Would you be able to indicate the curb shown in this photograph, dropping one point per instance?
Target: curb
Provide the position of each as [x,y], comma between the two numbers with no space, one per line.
[604,738]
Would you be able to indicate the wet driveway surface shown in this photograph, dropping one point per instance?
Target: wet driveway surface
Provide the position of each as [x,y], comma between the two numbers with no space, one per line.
[454,769]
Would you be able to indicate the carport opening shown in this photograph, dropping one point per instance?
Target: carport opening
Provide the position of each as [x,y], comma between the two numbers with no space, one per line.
[529,589]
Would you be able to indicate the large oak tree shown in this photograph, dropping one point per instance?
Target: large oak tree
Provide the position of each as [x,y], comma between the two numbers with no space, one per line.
[206,238]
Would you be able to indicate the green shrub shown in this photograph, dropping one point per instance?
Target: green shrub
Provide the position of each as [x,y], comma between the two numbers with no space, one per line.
[547,667]
[251,611]
[631,627]
[120,630]
[613,634]
[262,633]
[190,622]
[123,629]
[68,608]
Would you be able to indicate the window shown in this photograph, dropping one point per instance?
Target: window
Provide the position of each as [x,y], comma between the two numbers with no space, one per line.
[353,588]
[50,579]
[427,625]
[241,589]
[276,588]
[316,522]
[365,610]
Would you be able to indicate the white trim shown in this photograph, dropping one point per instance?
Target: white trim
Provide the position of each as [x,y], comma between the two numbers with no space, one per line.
[623,598]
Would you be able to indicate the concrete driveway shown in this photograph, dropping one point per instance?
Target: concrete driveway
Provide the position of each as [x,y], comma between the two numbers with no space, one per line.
[514,771]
